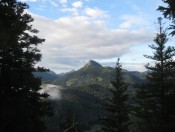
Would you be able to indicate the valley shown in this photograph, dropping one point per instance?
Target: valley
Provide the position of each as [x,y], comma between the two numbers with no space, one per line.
[82,93]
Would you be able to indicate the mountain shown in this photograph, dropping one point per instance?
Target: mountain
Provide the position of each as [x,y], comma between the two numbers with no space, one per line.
[46,76]
[92,64]
[93,73]
[84,93]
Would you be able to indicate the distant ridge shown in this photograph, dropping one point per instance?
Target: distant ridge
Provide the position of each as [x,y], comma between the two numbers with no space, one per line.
[94,73]
[46,76]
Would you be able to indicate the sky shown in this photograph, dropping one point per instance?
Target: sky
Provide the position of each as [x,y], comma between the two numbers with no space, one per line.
[77,31]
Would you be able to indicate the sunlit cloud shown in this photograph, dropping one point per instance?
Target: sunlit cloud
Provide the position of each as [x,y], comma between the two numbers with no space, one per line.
[63,1]
[73,11]
[80,30]
[77,4]
[96,13]
[72,41]
[131,21]
[54,3]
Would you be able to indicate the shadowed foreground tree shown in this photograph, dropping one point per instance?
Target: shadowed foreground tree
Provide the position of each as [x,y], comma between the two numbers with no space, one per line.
[169,13]
[21,106]
[69,123]
[117,119]
[156,99]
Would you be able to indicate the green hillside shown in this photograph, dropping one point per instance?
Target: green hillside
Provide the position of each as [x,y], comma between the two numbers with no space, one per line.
[94,73]
[84,93]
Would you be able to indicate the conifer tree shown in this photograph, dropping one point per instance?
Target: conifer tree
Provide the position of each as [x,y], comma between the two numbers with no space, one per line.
[21,105]
[117,118]
[169,13]
[156,99]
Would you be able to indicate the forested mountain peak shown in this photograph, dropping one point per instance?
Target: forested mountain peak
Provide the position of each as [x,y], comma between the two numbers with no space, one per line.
[92,63]
[94,73]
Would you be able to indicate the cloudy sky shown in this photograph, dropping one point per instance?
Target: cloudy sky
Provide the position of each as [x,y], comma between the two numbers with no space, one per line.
[102,30]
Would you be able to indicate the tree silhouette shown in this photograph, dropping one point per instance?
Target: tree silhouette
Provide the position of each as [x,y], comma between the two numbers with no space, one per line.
[156,99]
[117,119]
[22,106]
[169,12]
[69,124]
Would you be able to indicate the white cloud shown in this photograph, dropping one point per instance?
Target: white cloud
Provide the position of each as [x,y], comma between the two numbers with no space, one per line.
[63,1]
[131,20]
[72,41]
[77,4]
[73,11]
[54,91]
[54,3]
[96,13]
[134,66]
[128,66]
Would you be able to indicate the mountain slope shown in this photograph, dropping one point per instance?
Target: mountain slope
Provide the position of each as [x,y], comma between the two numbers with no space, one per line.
[85,95]
[94,73]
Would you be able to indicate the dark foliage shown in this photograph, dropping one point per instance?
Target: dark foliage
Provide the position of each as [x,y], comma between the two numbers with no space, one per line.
[69,123]
[156,99]
[21,106]
[117,118]
[169,12]
[82,105]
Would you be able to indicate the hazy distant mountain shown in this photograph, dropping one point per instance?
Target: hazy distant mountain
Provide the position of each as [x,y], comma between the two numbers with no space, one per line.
[64,73]
[46,76]
[94,73]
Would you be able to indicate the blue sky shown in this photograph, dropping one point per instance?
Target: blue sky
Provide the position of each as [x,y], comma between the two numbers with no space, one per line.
[102,30]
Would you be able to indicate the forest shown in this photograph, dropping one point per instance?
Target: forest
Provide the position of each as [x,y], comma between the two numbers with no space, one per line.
[94,98]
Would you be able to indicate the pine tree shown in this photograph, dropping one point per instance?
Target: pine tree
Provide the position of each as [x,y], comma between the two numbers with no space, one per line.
[117,119]
[156,99]
[21,105]
[169,12]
